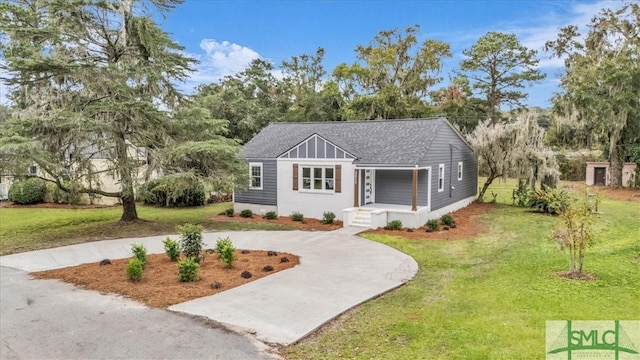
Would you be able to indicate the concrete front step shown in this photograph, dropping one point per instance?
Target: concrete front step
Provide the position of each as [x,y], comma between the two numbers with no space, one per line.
[362,218]
[361,223]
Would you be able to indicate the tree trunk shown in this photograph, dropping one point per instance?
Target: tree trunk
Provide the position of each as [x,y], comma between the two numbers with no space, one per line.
[616,159]
[486,186]
[125,170]
[129,212]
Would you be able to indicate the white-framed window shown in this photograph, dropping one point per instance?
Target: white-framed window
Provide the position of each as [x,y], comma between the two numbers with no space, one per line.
[459,170]
[33,170]
[255,175]
[318,178]
[440,177]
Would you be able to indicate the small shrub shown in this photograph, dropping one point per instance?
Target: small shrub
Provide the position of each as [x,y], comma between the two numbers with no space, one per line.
[328,217]
[447,219]
[433,224]
[29,191]
[550,200]
[175,190]
[246,213]
[140,253]
[72,197]
[395,225]
[521,194]
[229,212]
[191,241]
[135,267]
[225,250]
[188,270]
[271,215]
[296,216]
[171,248]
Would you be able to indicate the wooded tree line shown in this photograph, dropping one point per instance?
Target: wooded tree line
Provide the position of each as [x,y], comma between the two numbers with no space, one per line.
[96,76]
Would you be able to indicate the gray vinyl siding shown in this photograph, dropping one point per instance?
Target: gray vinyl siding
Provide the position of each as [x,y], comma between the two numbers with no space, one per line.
[269,193]
[394,187]
[440,153]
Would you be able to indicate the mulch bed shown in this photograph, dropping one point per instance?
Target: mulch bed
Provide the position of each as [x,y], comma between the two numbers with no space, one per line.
[306,224]
[46,205]
[160,287]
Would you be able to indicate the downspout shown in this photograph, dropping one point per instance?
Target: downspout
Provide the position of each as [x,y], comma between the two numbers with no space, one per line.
[451,147]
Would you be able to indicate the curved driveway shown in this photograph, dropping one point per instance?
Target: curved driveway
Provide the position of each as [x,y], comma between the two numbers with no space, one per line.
[337,272]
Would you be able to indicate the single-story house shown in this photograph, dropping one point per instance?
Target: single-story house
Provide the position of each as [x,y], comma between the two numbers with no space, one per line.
[367,173]
[598,173]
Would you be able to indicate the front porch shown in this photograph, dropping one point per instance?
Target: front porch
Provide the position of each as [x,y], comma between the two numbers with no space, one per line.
[378,215]
[384,194]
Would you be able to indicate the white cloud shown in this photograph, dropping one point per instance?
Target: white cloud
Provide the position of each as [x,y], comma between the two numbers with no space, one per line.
[548,26]
[221,59]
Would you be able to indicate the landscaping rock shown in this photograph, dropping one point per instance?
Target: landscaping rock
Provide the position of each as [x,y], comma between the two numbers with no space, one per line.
[105,262]
[285,259]
[272,253]
[453,226]
[245,274]
[409,230]
[446,228]
[210,251]
[429,230]
[267,268]
[216,285]
[245,252]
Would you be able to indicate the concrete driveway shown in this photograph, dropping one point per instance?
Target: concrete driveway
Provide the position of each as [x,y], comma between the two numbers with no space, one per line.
[338,271]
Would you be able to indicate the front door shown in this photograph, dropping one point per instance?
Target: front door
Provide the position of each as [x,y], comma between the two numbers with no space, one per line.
[600,176]
[368,187]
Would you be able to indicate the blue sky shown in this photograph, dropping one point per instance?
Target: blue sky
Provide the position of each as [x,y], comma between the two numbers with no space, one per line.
[226,35]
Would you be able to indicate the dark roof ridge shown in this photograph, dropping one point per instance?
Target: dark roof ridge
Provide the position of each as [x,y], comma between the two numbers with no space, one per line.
[354,121]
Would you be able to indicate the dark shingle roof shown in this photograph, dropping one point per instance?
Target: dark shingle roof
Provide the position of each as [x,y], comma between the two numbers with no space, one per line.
[375,142]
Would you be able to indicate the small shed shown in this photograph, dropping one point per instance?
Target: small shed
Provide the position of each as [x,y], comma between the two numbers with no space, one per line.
[598,173]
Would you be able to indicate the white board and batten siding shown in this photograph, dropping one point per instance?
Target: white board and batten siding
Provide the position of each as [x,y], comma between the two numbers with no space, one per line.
[315,152]
[313,203]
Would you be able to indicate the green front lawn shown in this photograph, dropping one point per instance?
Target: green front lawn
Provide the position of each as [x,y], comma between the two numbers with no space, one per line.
[29,228]
[489,297]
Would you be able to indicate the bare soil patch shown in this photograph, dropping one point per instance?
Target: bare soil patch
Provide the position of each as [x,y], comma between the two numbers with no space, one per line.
[306,224]
[160,287]
[575,275]
[467,225]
